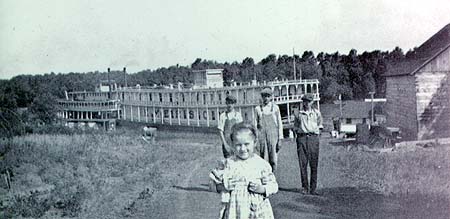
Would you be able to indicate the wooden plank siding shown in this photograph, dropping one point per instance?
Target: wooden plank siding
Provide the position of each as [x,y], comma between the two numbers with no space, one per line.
[401,105]
[433,98]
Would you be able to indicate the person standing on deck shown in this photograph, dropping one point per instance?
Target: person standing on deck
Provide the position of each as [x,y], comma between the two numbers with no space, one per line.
[307,125]
[226,120]
[270,127]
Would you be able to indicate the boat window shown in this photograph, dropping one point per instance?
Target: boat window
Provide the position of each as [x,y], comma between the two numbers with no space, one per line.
[314,88]
[277,92]
[283,91]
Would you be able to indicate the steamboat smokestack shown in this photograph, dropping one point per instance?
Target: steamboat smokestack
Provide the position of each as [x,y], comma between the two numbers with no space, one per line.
[108,75]
[109,85]
[125,75]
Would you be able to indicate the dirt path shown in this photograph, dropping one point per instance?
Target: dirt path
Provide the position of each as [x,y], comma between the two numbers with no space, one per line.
[192,199]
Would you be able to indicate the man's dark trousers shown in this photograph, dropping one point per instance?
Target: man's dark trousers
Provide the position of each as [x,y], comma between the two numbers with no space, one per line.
[308,152]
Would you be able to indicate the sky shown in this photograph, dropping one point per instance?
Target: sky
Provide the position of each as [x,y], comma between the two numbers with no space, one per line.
[43,36]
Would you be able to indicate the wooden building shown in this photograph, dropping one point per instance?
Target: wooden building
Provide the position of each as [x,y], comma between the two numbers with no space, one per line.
[349,114]
[208,78]
[418,93]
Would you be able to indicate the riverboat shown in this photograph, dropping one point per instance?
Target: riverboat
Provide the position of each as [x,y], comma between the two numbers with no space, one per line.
[174,105]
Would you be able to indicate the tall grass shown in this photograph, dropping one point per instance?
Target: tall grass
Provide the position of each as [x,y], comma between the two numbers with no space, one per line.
[93,175]
[419,171]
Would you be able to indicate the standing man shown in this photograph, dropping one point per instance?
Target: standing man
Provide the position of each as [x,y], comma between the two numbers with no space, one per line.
[270,127]
[307,125]
[226,120]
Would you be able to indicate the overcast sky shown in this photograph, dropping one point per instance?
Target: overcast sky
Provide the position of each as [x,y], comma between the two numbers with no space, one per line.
[88,35]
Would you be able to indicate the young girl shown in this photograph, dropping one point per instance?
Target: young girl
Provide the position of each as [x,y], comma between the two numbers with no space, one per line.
[249,179]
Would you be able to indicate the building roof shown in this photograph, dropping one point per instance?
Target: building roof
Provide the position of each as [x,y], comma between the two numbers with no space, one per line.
[424,54]
[329,110]
[209,70]
[354,109]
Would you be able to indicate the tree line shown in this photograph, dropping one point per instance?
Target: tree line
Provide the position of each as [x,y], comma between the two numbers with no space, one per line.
[352,75]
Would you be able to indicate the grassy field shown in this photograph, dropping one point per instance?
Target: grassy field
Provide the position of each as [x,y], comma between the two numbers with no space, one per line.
[118,175]
[414,170]
[94,176]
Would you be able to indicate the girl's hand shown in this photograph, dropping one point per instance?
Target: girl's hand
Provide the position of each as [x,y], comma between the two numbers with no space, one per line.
[256,188]
[266,177]
[217,174]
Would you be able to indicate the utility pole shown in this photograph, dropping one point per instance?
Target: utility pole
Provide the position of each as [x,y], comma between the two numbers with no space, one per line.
[371,96]
[340,104]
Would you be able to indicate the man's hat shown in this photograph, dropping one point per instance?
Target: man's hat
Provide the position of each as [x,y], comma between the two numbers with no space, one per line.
[308,97]
[267,91]
[230,99]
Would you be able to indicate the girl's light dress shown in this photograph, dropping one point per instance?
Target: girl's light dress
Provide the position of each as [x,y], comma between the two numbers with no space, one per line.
[244,204]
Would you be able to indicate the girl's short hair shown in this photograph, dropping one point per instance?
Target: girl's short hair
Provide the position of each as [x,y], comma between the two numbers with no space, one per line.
[238,127]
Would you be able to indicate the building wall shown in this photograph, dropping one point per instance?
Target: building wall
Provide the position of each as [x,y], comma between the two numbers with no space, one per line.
[401,105]
[214,80]
[200,78]
[211,78]
[433,98]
